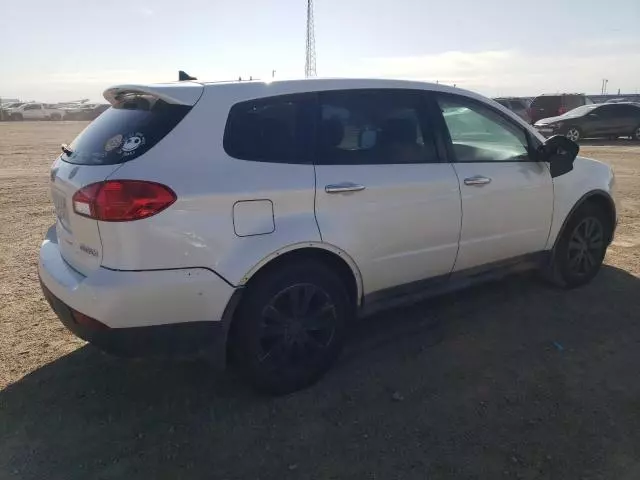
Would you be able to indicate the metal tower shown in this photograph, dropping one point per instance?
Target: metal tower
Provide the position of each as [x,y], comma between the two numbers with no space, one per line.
[310,61]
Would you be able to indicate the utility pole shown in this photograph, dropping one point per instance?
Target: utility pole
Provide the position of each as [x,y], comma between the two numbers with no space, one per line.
[310,61]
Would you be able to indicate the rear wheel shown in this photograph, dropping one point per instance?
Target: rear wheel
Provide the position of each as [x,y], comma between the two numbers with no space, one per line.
[573,133]
[636,134]
[291,326]
[56,116]
[16,117]
[580,250]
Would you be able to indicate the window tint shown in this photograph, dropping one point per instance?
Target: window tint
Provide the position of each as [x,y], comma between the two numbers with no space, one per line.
[546,101]
[35,106]
[573,101]
[608,111]
[479,134]
[518,105]
[628,111]
[364,127]
[277,129]
[125,131]
[504,103]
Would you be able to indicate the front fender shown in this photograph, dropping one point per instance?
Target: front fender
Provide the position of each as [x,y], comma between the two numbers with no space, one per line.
[588,177]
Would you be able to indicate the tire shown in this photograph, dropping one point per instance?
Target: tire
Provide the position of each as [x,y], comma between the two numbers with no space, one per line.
[636,134]
[55,117]
[573,133]
[278,350]
[580,250]
[16,117]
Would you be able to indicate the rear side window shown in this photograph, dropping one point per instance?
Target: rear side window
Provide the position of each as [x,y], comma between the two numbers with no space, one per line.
[125,131]
[276,129]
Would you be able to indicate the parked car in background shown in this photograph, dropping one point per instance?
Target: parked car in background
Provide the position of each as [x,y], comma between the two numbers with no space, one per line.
[89,111]
[609,120]
[35,111]
[554,104]
[7,106]
[519,106]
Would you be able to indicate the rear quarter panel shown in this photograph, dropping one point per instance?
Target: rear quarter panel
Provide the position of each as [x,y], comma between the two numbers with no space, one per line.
[198,230]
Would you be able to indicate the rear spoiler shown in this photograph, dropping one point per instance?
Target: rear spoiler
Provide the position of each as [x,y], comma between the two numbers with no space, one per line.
[182,93]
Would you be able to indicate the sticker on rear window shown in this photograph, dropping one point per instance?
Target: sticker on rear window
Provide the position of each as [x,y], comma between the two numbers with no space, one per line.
[113,143]
[131,143]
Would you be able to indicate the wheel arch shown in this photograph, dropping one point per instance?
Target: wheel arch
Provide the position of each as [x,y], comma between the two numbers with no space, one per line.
[325,253]
[598,197]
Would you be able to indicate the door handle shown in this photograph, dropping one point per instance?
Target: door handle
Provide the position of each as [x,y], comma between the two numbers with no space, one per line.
[343,187]
[477,180]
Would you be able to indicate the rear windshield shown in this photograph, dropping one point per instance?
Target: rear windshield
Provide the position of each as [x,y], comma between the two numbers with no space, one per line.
[125,131]
[546,102]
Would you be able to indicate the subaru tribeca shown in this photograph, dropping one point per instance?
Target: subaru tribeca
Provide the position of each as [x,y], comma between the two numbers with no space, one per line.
[257,219]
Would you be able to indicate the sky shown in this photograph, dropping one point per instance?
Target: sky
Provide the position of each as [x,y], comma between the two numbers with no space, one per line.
[69,49]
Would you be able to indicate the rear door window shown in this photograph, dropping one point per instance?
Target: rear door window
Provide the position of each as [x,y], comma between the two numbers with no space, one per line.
[125,131]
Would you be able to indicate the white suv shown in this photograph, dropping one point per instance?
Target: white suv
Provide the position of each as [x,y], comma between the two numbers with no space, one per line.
[259,218]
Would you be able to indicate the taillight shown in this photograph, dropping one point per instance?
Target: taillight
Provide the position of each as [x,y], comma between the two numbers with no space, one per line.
[562,110]
[122,200]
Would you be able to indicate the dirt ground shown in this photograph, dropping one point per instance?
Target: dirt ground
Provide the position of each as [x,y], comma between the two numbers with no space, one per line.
[512,379]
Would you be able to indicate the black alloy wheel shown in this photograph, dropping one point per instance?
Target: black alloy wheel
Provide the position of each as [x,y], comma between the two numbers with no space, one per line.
[296,325]
[586,247]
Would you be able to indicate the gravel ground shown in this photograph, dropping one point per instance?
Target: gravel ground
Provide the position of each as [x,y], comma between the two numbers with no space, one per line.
[512,379]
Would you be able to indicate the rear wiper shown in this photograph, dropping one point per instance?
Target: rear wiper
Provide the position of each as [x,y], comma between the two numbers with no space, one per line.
[66,149]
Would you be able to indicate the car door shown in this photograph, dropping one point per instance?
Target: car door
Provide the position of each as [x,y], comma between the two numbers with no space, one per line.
[629,119]
[382,194]
[605,120]
[507,196]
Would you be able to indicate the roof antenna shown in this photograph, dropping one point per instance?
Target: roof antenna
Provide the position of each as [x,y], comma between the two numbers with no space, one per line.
[184,76]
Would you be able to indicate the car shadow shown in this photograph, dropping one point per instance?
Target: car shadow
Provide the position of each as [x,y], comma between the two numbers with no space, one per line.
[512,379]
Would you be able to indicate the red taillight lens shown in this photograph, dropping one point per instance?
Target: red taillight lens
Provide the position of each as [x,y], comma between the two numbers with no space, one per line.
[122,200]
[562,110]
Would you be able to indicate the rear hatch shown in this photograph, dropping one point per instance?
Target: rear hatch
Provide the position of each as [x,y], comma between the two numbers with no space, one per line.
[544,107]
[139,118]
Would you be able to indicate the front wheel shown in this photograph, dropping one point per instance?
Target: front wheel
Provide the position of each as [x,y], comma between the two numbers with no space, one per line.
[636,134]
[291,326]
[580,250]
[573,133]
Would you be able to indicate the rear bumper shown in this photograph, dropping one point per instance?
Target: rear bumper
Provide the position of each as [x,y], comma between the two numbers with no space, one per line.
[177,339]
[139,313]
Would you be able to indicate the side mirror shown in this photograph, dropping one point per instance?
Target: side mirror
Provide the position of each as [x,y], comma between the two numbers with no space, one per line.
[560,152]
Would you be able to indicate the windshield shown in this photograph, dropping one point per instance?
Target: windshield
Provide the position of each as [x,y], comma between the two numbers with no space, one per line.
[578,112]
